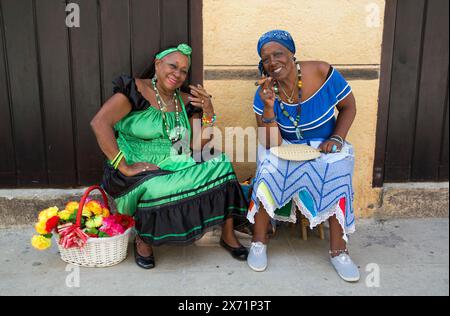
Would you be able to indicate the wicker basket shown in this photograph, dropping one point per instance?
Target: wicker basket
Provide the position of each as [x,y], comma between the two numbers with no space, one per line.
[98,252]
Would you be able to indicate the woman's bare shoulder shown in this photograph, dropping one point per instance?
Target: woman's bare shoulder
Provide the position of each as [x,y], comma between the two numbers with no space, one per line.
[318,69]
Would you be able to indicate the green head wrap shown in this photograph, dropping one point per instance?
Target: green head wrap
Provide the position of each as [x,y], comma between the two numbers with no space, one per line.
[182,48]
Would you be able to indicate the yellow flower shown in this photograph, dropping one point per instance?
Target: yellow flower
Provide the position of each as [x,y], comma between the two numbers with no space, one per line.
[94,207]
[86,212]
[64,215]
[46,214]
[40,228]
[106,212]
[72,207]
[40,242]
[95,222]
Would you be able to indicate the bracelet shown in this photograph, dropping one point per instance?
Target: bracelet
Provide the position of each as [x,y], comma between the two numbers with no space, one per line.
[208,120]
[268,121]
[112,162]
[116,165]
[116,161]
[337,139]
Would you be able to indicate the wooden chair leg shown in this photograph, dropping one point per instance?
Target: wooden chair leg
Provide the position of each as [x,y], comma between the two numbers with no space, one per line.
[321,232]
[305,224]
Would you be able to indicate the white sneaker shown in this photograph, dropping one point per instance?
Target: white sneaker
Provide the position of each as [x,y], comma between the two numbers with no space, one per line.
[257,257]
[346,268]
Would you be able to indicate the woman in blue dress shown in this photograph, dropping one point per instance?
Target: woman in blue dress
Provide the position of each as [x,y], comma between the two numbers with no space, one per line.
[295,104]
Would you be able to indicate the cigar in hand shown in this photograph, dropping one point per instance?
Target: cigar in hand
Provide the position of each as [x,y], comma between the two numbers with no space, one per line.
[260,82]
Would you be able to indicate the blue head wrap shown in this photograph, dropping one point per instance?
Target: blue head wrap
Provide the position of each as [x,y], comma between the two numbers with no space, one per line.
[279,36]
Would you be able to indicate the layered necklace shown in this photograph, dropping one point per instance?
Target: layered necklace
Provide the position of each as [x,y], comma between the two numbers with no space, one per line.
[295,121]
[163,107]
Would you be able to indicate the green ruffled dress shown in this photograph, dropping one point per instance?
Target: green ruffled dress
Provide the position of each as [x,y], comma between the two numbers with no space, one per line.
[183,199]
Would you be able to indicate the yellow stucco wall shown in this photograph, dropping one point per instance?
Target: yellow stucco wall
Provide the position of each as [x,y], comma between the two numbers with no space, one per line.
[346,33]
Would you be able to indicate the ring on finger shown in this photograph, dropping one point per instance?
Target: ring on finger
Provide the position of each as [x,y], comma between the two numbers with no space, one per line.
[334,149]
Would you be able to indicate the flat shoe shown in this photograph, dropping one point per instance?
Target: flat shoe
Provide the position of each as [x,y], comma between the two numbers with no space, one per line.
[143,262]
[240,253]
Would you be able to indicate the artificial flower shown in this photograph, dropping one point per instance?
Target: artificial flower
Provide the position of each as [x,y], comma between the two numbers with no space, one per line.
[48,213]
[41,228]
[124,220]
[51,224]
[72,207]
[94,207]
[40,242]
[111,227]
[94,222]
[106,212]
[86,212]
[64,215]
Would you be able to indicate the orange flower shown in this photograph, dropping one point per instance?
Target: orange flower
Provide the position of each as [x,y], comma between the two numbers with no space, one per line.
[94,207]
[106,212]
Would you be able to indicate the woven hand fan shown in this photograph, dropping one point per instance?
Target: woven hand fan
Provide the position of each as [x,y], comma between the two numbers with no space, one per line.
[295,152]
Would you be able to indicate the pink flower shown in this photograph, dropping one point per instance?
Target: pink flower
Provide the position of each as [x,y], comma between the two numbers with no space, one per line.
[111,227]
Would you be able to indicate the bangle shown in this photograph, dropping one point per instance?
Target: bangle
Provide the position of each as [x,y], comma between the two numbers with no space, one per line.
[337,139]
[116,161]
[116,165]
[268,121]
[208,120]
[112,162]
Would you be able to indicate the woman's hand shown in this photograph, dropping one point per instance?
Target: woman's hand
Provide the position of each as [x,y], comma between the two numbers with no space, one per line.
[201,99]
[267,92]
[134,169]
[327,147]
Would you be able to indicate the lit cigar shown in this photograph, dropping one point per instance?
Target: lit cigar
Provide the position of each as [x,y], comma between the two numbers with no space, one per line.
[260,82]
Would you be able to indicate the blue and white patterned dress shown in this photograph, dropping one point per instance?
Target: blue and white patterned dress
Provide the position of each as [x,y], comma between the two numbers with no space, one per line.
[319,188]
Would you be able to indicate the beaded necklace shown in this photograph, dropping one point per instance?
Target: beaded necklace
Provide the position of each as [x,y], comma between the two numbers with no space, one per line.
[163,107]
[295,121]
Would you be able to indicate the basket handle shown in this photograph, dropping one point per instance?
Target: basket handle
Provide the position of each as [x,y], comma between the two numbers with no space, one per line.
[83,201]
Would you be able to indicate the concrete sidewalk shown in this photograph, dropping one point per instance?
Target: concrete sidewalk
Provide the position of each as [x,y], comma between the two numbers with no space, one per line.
[412,256]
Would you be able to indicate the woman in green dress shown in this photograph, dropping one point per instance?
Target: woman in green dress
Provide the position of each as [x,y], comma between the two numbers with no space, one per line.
[145,131]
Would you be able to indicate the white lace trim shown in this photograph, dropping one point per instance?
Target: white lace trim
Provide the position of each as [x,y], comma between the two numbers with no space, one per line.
[336,210]
[313,221]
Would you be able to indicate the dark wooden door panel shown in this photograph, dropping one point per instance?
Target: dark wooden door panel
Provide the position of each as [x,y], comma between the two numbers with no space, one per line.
[115,36]
[412,133]
[146,30]
[174,33]
[55,92]
[8,165]
[24,87]
[432,94]
[86,87]
[405,82]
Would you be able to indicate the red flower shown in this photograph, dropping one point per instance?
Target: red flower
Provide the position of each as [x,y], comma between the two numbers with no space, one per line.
[124,220]
[52,223]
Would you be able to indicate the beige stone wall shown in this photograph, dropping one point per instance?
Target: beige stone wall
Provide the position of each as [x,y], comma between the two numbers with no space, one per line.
[346,33]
